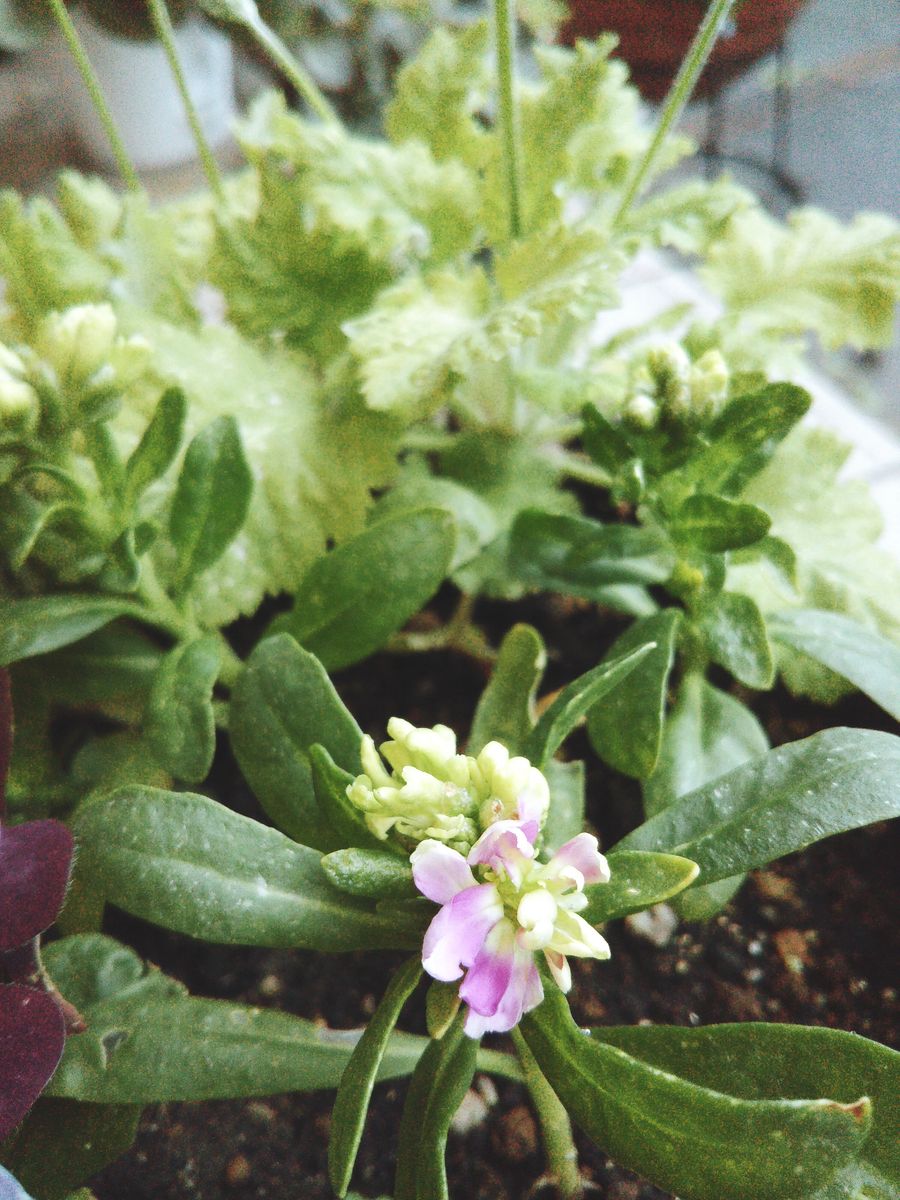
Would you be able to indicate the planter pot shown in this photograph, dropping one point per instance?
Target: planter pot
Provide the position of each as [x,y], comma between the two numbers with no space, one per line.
[655,34]
[138,85]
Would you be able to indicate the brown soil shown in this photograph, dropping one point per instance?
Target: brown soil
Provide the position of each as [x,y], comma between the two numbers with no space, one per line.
[810,940]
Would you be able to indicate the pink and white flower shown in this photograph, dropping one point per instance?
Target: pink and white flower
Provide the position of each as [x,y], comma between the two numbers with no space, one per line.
[491,923]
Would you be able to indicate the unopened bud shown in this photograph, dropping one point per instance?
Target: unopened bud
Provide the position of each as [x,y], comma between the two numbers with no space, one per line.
[78,341]
[709,384]
[641,412]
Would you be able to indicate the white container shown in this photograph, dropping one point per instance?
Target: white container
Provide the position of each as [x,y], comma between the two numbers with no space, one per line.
[141,92]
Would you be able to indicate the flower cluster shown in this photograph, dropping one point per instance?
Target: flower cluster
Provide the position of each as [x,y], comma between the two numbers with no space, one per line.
[491,923]
[434,793]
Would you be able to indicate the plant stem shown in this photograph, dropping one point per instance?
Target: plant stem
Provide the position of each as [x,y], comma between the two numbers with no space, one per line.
[91,82]
[291,69]
[162,23]
[505,35]
[562,1157]
[679,94]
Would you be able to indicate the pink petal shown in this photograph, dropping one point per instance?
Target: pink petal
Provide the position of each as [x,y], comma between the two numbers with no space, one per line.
[583,853]
[489,976]
[504,847]
[457,933]
[439,872]
[523,993]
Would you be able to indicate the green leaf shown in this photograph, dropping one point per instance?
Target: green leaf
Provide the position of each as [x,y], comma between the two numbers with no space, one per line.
[505,710]
[714,525]
[638,879]
[565,817]
[707,734]
[832,525]
[736,638]
[869,661]
[282,704]
[767,1062]
[358,1080]
[38,625]
[63,1143]
[149,1042]
[375,874]
[476,522]
[605,443]
[189,864]
[700,1142]
[581,557]
[354,598]
[574,701]
[117,662]
[626,728]
[211,499]
[780,802]
[744,437]
[159,444]
[330,783]
[179,724]
[441,1079]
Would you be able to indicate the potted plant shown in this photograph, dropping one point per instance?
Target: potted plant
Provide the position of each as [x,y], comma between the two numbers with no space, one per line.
[654,37]
[346,445]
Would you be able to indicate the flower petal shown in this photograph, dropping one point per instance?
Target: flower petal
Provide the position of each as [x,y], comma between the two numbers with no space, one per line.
[457,933]
[505,848]
[439,872]
[559,969]
[582,853]
[489,976]
[523,993]
[573,935]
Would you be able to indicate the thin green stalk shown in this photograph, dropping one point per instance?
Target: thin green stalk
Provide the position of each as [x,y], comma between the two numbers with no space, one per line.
[505,35]
[162,23]
[679,94]
[91,82]
[291,69]
[562,1157]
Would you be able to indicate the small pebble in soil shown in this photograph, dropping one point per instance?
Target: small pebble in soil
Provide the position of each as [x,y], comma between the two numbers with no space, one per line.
[515,1135]
[237,1171]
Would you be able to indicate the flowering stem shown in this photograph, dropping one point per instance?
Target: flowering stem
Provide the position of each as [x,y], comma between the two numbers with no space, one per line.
[162,23]
[91,82]
[679,94]
[292,70]
[562,1157]
[460,633]
[505,35]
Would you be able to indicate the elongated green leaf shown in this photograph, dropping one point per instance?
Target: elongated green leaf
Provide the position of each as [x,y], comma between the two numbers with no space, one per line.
[378,874]
[868,660]
[63,1143]
[780,802]
[638,879]
[565,816]
[160,442]
[736,638]
[707,734]
[358,1079]
[558,721]
[189,864]
[626,728]
[36,626]
[505,711]
[768,1062]
[703,1143]
[438,1085]
[713,524]
[355,597]
[745,436]
[179,723]
[330,783]
[211,499]
[116,662]
[148,1041]
[581,557]
[282,704]
[605,443]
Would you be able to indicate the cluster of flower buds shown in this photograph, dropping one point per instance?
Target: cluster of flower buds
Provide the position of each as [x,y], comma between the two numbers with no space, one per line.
[474,822]
[19,405]
[433,792]
[87,359]
[667,386]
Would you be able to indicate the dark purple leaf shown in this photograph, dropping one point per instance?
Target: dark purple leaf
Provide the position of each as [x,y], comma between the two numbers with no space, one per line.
[35,860]
[6,734]
[32,1036]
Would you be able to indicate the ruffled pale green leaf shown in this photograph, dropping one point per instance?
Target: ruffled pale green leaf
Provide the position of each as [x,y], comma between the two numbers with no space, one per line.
[832,525]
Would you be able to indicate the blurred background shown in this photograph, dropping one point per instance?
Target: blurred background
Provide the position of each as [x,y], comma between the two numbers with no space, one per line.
[800,101]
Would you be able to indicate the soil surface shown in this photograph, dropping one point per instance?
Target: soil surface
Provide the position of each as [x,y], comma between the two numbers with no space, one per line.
[810,940]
